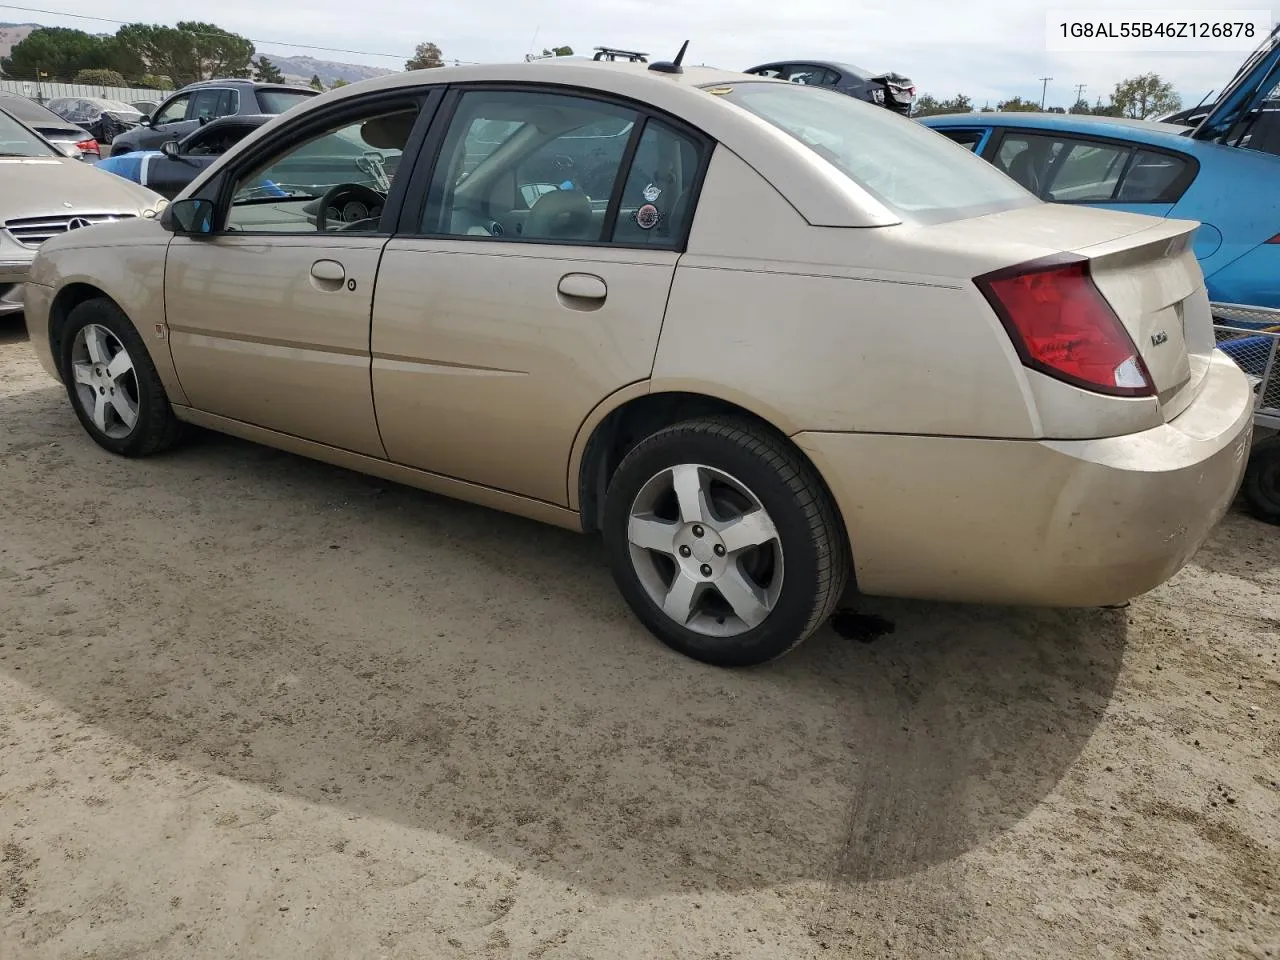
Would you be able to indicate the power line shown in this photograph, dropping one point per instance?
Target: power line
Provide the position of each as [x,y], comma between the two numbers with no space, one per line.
[268,43]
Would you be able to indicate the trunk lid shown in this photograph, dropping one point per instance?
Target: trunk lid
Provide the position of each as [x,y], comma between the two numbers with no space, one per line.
[1153,282]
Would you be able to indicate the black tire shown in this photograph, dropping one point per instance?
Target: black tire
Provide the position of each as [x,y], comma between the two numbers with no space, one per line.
[155,427]
[812,539]
[1261,485]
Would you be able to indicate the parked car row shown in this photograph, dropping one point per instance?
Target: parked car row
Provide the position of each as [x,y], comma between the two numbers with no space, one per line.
[684,308]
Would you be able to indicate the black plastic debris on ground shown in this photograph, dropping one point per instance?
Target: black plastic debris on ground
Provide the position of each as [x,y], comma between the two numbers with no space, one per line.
[863,627]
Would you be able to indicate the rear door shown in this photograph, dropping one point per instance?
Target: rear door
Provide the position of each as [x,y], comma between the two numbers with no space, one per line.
[528,282]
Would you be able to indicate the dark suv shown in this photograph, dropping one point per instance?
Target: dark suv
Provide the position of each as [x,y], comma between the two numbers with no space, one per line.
[891,90]
[198,103]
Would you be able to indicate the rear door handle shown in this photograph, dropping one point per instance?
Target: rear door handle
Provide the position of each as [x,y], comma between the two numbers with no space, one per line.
[328,271]
[583,286]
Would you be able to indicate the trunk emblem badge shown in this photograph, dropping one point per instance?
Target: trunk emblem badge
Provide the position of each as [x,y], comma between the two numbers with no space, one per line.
[1158,338]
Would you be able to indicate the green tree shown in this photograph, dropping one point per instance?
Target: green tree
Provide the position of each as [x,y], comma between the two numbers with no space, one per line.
[339,83]
[928,105]
[266,71]
[1105,110]
[54,52]
[101,78]
[1145,96]
[150,81]
[565,51]
[190,51]
[1018,105]
[1081,106]
[316,83]
[426,56]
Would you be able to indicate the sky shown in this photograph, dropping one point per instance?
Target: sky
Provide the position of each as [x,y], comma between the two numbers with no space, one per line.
[987,49]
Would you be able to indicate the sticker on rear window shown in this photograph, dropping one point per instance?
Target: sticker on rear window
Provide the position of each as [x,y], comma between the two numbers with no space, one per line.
[647,217]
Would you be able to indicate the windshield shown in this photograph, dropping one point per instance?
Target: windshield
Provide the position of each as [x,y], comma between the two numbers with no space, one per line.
[918,174]
[17,141]
[278,101]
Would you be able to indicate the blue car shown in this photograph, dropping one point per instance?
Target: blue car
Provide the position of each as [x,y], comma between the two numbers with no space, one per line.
[1146,167]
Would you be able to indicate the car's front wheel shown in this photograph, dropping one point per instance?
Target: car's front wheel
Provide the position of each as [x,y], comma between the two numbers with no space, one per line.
[723,541]
[113,385]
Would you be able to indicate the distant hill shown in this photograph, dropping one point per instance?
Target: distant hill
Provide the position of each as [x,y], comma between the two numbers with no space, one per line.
[12,34]
[302,69]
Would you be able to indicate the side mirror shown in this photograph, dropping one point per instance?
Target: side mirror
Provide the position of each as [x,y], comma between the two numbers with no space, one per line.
[170,149]
[190,218]
[144,120]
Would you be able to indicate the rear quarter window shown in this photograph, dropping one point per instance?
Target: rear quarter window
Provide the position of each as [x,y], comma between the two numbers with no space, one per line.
[914,171]
[278,101]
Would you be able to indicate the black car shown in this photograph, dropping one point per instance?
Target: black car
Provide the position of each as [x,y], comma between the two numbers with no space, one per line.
[198,103]
[103,119]
[49,125]
[178,161]
[891,90]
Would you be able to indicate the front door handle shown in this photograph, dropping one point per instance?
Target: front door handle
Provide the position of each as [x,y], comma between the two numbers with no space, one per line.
[583,286]
[328,271]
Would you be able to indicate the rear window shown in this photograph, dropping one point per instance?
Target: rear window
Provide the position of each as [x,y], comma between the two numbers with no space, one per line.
[917,173]
[278,101]
[17,141]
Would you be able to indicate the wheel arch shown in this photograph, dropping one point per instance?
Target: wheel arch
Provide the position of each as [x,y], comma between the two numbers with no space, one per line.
[633,413]
[79,290]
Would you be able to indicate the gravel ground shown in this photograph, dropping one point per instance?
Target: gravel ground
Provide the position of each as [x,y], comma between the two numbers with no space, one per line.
[254,706]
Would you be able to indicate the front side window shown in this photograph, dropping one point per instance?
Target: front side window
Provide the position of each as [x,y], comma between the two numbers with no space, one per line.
[900,162]
[173,111]
[335,180]
[969,139]
[17,141]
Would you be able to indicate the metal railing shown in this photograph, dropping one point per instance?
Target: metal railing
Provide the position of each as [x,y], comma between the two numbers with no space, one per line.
[1251,337]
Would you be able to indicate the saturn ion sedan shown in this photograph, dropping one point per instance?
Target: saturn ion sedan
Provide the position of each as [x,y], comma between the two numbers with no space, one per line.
[767,340]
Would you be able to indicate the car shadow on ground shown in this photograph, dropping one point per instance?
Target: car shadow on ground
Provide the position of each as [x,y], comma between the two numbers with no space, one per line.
[12,329]
[258,616]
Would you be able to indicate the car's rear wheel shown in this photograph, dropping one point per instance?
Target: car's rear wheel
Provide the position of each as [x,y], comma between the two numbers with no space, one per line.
[1262,481]
[113,385]
[723,541]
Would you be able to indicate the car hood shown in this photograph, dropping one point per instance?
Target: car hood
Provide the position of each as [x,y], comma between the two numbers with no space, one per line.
[38,186]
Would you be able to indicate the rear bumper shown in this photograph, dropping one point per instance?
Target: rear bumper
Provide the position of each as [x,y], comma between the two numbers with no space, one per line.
[1044,523]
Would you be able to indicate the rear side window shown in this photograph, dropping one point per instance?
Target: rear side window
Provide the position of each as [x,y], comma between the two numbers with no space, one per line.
[1069,170]
[1155,178]
[228,103]
[902,163]
[278,101]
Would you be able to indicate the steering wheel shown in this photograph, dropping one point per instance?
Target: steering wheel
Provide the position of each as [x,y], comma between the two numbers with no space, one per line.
[343,195]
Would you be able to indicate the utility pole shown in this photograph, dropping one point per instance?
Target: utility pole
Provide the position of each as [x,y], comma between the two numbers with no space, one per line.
[1044,89]
[1080,89]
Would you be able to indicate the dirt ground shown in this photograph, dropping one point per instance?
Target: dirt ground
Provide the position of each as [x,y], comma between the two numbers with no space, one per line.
[253,706]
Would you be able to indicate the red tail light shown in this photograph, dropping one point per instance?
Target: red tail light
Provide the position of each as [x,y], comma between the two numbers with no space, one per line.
[89,146]
[1062,326]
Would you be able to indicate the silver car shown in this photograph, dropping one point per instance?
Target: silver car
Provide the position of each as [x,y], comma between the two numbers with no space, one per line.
[44,192]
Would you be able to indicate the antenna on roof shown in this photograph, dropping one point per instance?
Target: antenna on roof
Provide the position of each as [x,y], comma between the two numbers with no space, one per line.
[663,66]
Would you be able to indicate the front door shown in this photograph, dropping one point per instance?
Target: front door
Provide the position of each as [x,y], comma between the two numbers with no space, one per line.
[269,316]
[533,285]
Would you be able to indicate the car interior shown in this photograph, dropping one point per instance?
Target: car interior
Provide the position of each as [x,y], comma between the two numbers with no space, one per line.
[551,177]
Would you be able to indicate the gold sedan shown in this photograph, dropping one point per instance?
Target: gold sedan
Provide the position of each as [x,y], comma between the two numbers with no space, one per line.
[764,338]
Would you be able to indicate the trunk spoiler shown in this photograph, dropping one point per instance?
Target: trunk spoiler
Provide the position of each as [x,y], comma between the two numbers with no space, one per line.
[1257,76]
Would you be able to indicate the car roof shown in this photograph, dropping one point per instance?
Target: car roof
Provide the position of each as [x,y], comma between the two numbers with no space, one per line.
[837,65]
[30,111]
[244,82]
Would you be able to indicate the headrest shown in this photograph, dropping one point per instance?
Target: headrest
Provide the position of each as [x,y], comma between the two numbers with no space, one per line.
[390,132]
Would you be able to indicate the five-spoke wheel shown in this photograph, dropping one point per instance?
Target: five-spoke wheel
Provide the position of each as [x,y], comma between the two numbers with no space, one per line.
[112,383]
[724,541]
